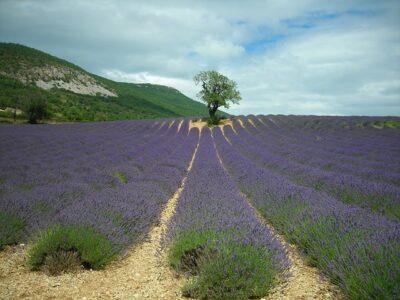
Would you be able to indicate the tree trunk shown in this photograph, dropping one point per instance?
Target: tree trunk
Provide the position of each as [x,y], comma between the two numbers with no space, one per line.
[212,109]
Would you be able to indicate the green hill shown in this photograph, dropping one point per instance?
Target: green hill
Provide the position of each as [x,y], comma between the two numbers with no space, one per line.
[72,94]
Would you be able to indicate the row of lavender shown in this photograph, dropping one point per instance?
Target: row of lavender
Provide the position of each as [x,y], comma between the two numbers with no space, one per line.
[370,145]
[341,176]
[216,235]
[114,177]
[358,249]
[50,154]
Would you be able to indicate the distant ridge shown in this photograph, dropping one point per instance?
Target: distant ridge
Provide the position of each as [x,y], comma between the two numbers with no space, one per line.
[73,94]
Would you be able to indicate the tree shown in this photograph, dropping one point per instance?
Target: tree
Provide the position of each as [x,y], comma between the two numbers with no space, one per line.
[37,110]
[217,90]
[16,105]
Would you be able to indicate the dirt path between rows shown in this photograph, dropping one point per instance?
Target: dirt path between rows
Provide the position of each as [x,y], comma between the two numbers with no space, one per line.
[303,281]
[142,274]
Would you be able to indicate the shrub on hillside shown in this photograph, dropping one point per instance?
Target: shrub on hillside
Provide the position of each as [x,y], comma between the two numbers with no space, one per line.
[62,248]
[37,111]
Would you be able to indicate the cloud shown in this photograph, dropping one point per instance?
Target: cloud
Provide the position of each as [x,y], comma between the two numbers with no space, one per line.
[349,69]
[183,85]
[213,49]
[304,57]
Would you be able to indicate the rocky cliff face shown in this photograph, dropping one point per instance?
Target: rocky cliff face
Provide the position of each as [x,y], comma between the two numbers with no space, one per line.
[62,77]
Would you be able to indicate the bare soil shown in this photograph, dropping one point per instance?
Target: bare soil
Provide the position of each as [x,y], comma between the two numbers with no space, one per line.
[201,124]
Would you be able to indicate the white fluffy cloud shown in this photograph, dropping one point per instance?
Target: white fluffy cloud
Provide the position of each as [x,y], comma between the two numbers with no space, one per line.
[183,85]
[349,70]
[304,57]
[213,49]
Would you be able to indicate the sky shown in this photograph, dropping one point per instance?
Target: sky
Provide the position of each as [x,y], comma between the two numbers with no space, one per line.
[287,57]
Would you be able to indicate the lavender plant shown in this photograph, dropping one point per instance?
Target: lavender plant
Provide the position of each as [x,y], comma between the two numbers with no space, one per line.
[357,249]
[215,235]
[378,196]
[329,184]
[153,162]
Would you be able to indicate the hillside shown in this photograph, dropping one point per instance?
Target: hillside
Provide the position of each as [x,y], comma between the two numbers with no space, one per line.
[73,94]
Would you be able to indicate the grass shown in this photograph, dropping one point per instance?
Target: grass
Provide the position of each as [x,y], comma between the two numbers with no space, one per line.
[380,124]
[62,262]
[319,185]
[213,121]
[92,249]
[223,269]
[387,123]
[121,177]
[11,229]
[185,251]
[377,203]
[383,204]
[27,186]
[117,218]
[42,207]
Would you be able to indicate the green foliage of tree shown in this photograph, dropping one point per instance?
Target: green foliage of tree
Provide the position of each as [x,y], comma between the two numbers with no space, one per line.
[37,111]
[217,91]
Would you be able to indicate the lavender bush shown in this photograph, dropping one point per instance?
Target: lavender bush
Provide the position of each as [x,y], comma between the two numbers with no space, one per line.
[215,234]
[80,186]
[357,249]
[328,184]
[379,196]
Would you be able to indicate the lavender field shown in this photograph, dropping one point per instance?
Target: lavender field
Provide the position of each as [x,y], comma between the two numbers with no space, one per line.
[329,185]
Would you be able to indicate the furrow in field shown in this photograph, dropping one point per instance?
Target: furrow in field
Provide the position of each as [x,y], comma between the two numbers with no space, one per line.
[303,281]
[142,273]
[380,197]
[213,215]
[362,147]
[358,161]
[75,155]
[337,139]
[356,249]
[121,179]
[311,154]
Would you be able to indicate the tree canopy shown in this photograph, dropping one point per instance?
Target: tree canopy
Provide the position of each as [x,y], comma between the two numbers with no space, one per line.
[37,110]
[217,90]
